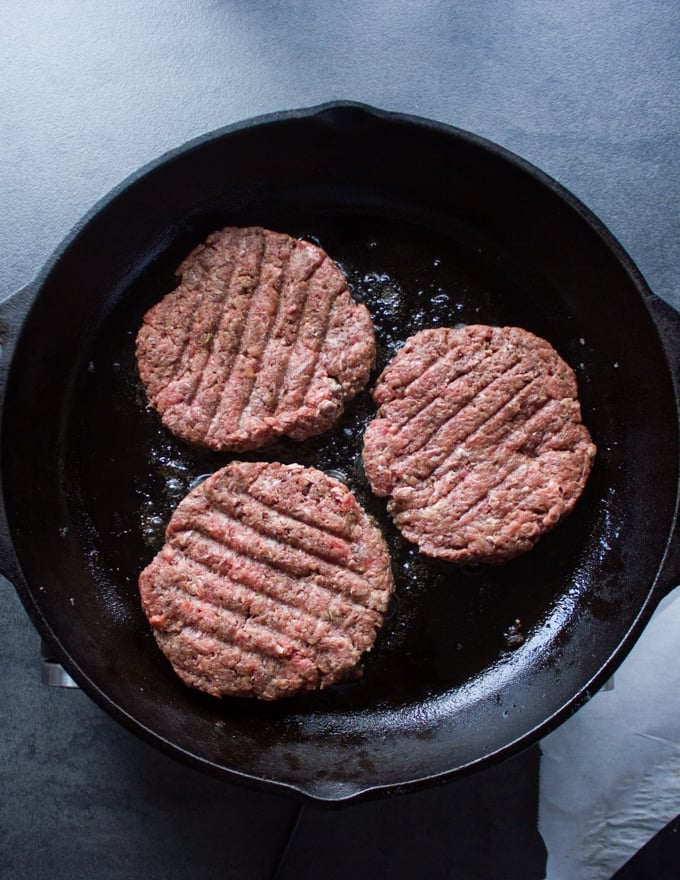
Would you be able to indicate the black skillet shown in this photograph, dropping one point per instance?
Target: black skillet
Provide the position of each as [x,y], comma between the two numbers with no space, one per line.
[433,226]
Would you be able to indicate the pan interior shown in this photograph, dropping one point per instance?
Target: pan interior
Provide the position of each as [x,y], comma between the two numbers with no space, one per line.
[125,473]
[470,659]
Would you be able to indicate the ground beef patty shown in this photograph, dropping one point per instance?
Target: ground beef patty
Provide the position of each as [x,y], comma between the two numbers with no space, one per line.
[261,338]
[272,581]
[478,440]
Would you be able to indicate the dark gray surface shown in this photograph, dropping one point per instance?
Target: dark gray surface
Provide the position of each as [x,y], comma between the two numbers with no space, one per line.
[81,797]
[587,91]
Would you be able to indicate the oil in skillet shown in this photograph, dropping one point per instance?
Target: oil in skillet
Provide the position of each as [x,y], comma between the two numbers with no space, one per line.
[409,279]
[395,310]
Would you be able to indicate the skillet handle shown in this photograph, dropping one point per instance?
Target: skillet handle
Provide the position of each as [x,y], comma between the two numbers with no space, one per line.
[14,309]
[13,312]
[52,673]
[667,320]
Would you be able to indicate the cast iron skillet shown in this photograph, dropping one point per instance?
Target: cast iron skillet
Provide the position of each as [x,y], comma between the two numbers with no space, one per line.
[433,226]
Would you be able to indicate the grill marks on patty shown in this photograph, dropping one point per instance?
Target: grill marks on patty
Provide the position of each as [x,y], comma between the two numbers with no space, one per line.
[260,338]
[272,581]
[478,441]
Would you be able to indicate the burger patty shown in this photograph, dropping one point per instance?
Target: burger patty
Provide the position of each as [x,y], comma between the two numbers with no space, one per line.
[261,338]
[272,581]
[478,441]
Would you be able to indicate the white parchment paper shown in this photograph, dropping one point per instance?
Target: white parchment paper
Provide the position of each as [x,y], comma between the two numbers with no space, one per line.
[610,776]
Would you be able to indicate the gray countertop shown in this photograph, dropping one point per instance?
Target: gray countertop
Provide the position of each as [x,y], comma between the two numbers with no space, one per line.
[586,91]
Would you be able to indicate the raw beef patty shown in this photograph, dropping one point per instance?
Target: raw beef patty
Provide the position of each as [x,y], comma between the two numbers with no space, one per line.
[272,581]
[478,441]
[261,338]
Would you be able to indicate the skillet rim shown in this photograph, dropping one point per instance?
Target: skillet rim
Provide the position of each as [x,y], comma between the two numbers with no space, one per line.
[12,563]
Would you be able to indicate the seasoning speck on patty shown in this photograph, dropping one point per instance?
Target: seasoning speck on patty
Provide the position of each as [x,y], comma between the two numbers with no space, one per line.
[261,338]
[478,441]
[273,581]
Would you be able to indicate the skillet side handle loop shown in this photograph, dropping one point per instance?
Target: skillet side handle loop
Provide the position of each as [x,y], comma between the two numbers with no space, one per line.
[52,673]
[13,312]
[669,578]
[667,320]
